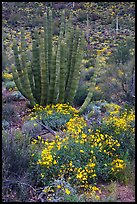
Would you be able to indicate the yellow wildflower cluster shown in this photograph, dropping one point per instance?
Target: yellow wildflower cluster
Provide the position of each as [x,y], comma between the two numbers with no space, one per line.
[75,126]
[88,172]
[47,159]
[8,76]
[80,154]
[113,108]
[122,122]
[117,165]
[104,142]
[64,109]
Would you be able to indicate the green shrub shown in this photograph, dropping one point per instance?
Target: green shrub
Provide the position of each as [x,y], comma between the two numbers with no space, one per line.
[53,116]
[60,191]
[15,147]
[89,74]
[10,85]
[31,128]
[120,123]
[83,157]
[81,94]
[16,156]
[9,113]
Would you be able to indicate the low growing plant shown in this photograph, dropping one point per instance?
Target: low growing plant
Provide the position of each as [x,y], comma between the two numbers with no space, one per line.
[83,156]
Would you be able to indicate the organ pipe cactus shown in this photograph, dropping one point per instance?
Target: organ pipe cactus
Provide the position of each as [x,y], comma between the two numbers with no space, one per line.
[53,73]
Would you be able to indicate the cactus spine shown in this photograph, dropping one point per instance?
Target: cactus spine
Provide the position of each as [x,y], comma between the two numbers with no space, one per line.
[53,73]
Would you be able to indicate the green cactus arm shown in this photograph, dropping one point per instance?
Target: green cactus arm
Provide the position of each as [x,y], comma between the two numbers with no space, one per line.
[62,60]
[73,61]
[27,93]
[77,69]
[17,81]
[56,88]
[31,77]
[52,79]
[19,70]
[44,83]
[28,87]
[36,67]
[86,102]
[17,62]
[69,42]
[25,64]
[46,47]
[50,35]
[62,74]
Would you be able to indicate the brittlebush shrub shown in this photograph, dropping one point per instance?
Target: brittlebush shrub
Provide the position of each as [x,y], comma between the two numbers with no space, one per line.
[83,157]
[53,116]
[121,124]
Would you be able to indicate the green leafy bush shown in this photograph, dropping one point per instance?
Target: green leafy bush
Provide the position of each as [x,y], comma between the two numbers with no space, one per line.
[81,94]
[9,113]
[83,156]
[120,123]
[16,156]
[53,116]
[10,85]
[31,128]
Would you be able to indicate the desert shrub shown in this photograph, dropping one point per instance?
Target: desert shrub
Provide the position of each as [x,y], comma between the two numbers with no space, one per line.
[82,16]
[81,94]
[15,148]
[120,123]
[83,156]
[10,85]
[53,116]
[60,191]
[122,54]
[31,128]
[89,74]
[16,156]
[9,113]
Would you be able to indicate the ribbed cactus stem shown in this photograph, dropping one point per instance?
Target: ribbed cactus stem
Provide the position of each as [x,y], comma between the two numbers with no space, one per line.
[74,69]
[36,66]
[69,41]
[56,90]
[52,79]
[46,51]
[62,74]
[44,85]
[17,81]
[50,34]
[86,103]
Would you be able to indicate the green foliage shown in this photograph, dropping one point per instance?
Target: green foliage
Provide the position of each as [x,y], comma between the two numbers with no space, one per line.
[15,152]
[82,157]
[124,51]
[61,191]
[9,113]
[31,129]
[16,156]
[120,123]
[10,85]
[52,116]
[80,94]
